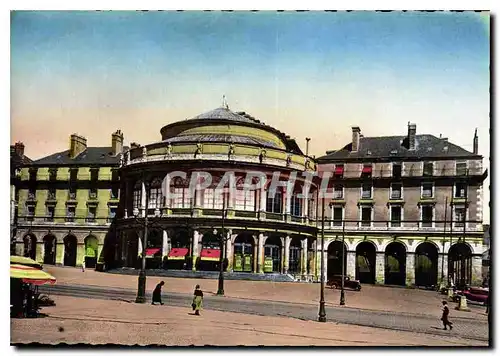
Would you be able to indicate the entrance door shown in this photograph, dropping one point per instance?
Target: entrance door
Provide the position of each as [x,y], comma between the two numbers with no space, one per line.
[272,253]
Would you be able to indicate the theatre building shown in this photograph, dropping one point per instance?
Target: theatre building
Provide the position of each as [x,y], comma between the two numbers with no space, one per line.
[261,232]
[409,208]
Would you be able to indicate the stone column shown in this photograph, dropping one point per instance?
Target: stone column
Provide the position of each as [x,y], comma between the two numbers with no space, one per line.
[229,251]
[255,258]
[260,254]
[351,264]
[143,199]
[124,256]
[127,198]
[443,269]
[166,191]
[477,270]
[59,253]
[197,193]
[80,254]
[287,254]
[139,243]
[380,267]
[283,253]
[410,268]
[232,192]
[305,207]
[40,251]
[303,258]
[288,201]
[165,246]
[196,253]
[262,207]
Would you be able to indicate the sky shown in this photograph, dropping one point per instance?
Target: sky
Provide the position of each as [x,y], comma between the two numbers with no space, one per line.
[309,74]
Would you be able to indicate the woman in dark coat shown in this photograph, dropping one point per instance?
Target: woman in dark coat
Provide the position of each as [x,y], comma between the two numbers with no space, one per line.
[444,317]
[157,293]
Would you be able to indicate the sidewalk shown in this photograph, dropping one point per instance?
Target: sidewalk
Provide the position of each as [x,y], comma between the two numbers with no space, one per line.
[400,300]
[75,320]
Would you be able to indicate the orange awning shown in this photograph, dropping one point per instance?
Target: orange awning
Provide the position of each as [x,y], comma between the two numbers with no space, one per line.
[210,254]
[178,253]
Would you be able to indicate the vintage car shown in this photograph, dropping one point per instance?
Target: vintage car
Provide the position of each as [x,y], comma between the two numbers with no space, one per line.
[336,282]
[474,294]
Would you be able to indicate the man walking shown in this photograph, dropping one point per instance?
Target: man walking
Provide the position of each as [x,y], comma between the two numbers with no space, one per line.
[444,317]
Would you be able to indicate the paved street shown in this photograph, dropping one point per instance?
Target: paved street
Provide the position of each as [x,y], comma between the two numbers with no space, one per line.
[103,321]
[467,328]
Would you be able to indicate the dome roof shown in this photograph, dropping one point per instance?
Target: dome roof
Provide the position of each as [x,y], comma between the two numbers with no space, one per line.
[222,114]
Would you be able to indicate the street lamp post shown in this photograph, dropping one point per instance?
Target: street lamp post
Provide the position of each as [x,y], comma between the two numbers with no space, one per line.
[322,312]
[342,293]
[141,281]
[220,289]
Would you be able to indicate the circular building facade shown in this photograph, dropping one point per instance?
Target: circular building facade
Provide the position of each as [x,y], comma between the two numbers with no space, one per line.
[221,182]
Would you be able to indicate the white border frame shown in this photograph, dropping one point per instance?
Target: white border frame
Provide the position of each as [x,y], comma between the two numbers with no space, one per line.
[402,216]
[360,212]
[390,190]
[361,191]
[420,223]
[422,190]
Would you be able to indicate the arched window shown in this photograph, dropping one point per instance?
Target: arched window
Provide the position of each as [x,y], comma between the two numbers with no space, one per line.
[245,200]
[137,197]
[181,197]
[274,202]
[155,194]
[213,198]
[296,205]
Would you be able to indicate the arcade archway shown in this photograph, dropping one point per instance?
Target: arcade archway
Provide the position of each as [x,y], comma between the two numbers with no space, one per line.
[91,246]
[70,244]
[426,265]
[30,246]
[335,260]
[460,264]
[49,247]
[395,264]
[365,262]
[243,253]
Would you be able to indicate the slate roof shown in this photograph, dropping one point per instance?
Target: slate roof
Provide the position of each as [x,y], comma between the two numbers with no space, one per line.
[222,138]
[223,114]
[91,156]
[426,146]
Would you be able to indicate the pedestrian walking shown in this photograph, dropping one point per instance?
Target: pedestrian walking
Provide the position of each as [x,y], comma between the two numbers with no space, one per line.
[197,300]
[83,265]
[157,293]
[444,317]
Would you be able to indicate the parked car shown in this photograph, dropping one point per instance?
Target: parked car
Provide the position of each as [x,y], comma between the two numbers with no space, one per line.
[474,294]
[336,282]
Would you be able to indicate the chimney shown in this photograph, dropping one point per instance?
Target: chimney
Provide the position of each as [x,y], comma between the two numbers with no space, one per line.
[19,148]
[475,145]
[412,132]
[77,145]
[356,133]
[117,142]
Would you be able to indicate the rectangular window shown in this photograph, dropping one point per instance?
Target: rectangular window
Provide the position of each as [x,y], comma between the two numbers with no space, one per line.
[114,193]
[51,195]
[70,214]
[52,174]
[94,174]
[30,212]
[31,194]
[91,214]
[428,169]
[338,192]
[366,191]
[112,213]
[296,205]
[396,189]
[208,199]
[366,216]
[155,198]
[274,202]
[219,196]
[461,168]
[93,193]
[50,213]
[312,208]
[427,190]
[427,215]
[73,174]
[137,199]
[459,216]
[396,170]
[181,198]
[395,216]
[337,215]
[460,189]
[72,193]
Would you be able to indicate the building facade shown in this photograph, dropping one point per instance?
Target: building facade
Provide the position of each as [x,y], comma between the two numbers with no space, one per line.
[409,208]
[67,203]
[256,231]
